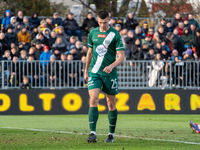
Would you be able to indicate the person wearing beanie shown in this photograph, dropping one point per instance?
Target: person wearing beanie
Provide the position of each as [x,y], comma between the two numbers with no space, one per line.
[187,38]
[145,28]
[186,23]
[56,20]
[34,20]
[73,51]
[12,23]
[175,54]
[45,56]
[168,27]
[24,38]
[7,19]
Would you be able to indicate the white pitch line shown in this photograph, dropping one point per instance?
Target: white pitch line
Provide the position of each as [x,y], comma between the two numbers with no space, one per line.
[122,136]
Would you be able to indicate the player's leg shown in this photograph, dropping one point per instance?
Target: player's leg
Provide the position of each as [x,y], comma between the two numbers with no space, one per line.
[194,126]
[93,114]
[112,116]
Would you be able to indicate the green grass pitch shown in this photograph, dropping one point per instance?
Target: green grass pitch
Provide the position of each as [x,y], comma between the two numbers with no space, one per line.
[133,132]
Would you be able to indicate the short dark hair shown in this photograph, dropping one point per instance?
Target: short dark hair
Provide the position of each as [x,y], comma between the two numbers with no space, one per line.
[103,14]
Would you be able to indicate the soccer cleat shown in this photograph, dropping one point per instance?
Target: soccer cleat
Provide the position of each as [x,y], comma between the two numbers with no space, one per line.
[92,138]
[110,138]
[194,126]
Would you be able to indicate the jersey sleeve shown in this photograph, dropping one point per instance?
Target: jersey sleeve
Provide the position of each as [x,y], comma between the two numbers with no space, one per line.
[90,43]
[119,43]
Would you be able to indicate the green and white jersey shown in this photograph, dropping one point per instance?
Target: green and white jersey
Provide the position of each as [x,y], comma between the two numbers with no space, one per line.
[105,45]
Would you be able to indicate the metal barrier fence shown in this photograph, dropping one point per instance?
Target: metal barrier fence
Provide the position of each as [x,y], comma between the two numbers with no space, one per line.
[131,74]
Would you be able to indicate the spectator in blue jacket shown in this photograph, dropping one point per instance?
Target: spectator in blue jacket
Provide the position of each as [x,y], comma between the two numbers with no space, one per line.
[7,19]
[71,26]
[57,20]
[34,20]
[45,56]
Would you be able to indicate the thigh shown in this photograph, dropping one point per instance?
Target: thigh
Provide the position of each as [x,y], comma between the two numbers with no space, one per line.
[110,85]
[94,81]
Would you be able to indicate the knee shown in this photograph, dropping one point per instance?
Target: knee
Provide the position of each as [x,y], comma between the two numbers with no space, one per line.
[93,101]
[111,105]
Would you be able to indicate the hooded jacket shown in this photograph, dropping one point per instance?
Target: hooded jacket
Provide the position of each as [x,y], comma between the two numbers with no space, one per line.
[47,36]
[6,20]
[11,38]
[23,37]
[34,21]
[178,44]
[89,24]
[187,38]
[70,24]
[45,56]
[17,30]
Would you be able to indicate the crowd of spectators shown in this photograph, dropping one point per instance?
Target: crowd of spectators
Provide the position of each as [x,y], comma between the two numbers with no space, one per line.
[29,38]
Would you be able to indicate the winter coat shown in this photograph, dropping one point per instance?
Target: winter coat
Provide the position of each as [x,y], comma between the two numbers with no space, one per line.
[50,26]
[57,21]
[180,31]
[47,36]
[45,56]
[34,21]
[44,41]
[11,38]
[52,69]
[131,24]
[139,36]
[70,24]
[31,69]
[23,37]
[6,20]
[129,42]
[15,29]
[178,44]
[33,35]
[197,43]
[142,53]
[158,26]
[175,22]
[19,20]
[64,38]
[193,21]
[89,24]
[135,51]
[157,65]
[187,39]
[61,47]
[38,52]
[3,46]
[148,56]
[51,41]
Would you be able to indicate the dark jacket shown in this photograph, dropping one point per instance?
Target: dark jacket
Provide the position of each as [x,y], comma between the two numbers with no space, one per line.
[25,86]
[11,38]
[197,43]
[129,42]
[3,46]
[142,53]
[19,20]
[61,47]
[70,24]
[187,39]
[135,51]
[38,52]
[51,41]
[148,56]
[34,21]
[50,26]
[131,24]
[52,69]
[33,35]
[157,50]
[57,21]
[31,69]
[178,44]
[139,36]
[175,22]
[89,24]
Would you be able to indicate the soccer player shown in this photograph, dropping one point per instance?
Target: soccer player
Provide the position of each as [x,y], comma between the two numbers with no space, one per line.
[101,73]
[194,126]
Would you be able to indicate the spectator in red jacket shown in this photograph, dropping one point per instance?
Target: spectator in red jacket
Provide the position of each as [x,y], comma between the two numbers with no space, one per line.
[180,28]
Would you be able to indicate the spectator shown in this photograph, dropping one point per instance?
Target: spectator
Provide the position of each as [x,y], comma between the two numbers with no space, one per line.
[192,30]
[191,20]
[20,17]
[135,48]
[3,44]
[17,28]
[180,28]
[112,22]
[82,69]
[161,24]
[89,23]
[197,41]
[63,68]
[23,55]
[34,20]
[78,46]
[176,20]
[186,23]
[27,24]
[158,48]
[187,38]
[176,42]
[62,35]
[42,26]
[175,32]
[49,24]
[56,21]
[84,51]
[14,69]
[38,50]
[131,23]
[120,22]
[71,26]
[74,53]
[25,84]
[138,34]
[162,34]
[2,29]
[163,44]
[52,39]
[46,32]
[31,52]
[168,27]
[45,56]
[157,65]
[59,45]
[175,54]
[196,56]
[118,27]
[123,34]
[57,54]
[6,57]
[11,37]
[43,40]
[143,51]
[71,42]
[14,52]
[72,71]
[12,23]
[145,28]
[7,19]
[130,41]
[150,55]
[165,54]
[150,33]
[34,33]
[24,38]
[156,38]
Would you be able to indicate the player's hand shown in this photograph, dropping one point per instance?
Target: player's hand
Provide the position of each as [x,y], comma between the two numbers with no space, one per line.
[86,76]
[108,69]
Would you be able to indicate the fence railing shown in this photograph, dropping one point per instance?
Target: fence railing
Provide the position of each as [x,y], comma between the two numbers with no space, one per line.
[131,74]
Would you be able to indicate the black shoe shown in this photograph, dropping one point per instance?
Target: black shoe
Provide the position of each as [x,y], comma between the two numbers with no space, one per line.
[92,138]
[110,138]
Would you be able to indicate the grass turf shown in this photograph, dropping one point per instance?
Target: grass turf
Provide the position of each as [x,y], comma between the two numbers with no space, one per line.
[136,127]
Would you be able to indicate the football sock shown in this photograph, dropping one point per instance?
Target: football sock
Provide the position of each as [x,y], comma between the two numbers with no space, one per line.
[112,117]
[93,132]
[93,115]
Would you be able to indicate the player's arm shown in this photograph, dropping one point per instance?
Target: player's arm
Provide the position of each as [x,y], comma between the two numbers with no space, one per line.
[88,61]
[117,62]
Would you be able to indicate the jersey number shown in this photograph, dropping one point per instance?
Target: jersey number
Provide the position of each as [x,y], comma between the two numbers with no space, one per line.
[114,83]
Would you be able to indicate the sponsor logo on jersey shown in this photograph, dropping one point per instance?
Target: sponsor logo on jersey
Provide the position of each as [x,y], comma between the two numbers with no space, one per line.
[101,50]
[95,40]
[107,41]
[101,36]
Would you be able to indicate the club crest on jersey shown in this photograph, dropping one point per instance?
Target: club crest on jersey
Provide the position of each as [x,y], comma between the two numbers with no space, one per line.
[101,36]
[101,50]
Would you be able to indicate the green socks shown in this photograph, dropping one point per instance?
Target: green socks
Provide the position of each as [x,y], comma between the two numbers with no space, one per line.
[112,117]
[93,115]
